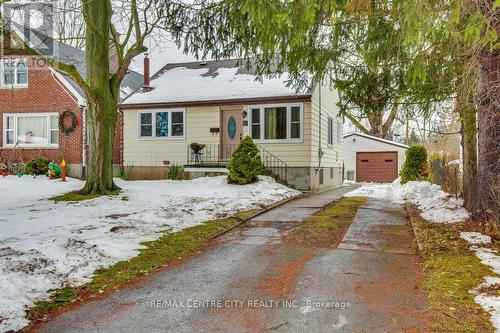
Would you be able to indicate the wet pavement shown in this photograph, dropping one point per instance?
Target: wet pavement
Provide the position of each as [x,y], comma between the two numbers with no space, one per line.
[249,281]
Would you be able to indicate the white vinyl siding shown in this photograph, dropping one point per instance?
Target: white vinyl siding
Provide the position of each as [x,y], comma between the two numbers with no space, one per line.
[340,126]
[31,130]
[154,151]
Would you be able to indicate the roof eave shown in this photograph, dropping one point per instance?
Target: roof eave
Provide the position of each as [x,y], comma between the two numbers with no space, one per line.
[371,137]
[217,102]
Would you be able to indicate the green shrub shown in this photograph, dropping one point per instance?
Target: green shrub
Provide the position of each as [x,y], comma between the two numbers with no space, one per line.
[37,166]
[415,166]
[245,165]
[175,172]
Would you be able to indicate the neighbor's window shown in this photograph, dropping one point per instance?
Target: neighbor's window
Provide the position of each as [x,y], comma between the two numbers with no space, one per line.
[31,129]
[330,130]
[276,122]
[14,72]
[161,124]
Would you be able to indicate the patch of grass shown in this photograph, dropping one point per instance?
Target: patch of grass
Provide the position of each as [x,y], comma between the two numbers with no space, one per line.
[169,248]
[450,271]
[327,227]
[77,196]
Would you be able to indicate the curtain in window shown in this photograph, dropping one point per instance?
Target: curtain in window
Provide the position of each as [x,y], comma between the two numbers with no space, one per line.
[275,123]
[32,130]
[161,124]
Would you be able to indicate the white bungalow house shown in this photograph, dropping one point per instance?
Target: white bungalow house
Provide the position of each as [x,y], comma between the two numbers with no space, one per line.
[216,104]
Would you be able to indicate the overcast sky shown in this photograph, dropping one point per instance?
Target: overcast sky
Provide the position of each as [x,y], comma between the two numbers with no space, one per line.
[160,55]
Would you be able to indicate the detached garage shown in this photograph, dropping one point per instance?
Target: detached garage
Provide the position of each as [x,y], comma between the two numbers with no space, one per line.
[371,159]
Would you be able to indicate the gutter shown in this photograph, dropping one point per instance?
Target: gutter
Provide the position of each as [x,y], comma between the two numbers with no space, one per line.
[320,149]
[218,102]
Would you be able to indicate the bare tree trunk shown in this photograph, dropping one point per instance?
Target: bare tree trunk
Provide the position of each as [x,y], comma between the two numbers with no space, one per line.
[102,99]
[488,98]
[469,151]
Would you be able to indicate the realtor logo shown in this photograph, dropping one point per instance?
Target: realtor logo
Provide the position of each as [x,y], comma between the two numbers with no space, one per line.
[27,24]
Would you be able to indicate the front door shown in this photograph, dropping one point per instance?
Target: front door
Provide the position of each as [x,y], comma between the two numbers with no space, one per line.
[232,131]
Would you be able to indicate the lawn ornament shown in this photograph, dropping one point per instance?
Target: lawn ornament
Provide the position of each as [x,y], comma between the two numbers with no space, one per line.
[63,171]
[54,170]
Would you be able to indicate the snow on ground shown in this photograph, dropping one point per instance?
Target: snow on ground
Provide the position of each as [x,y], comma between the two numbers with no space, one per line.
[490,302]
[435,204]
[475,238]
[44,245]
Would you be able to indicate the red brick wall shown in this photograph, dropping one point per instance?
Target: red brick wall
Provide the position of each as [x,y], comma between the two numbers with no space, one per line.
[45,93]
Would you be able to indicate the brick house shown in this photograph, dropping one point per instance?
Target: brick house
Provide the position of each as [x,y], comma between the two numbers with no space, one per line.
[33,96]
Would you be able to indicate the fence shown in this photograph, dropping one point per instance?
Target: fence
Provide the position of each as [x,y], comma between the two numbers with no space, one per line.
[447,174]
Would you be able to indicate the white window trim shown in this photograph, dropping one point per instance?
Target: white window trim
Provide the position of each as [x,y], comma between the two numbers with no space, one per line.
[16,85]
[288,106]
[330,131]
[28,114]
[153,136]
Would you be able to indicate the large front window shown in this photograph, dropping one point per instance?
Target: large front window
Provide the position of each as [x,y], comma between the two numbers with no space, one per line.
[276,123]
[31,130]
[161,124]
[14,72]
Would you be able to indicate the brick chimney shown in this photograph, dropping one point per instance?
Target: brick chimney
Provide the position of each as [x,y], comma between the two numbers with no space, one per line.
[147,80]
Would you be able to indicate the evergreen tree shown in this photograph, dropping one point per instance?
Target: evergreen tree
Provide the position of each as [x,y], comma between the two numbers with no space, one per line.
[245,165]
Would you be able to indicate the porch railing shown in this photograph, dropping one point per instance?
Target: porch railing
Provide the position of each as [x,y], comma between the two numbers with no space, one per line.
[220,155]
[210,155]
[273,164]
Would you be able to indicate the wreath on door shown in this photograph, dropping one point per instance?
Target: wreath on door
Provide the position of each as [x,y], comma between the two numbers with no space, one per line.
[67,122]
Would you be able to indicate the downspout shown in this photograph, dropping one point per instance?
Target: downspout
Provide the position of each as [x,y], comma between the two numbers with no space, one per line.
[84,142]
[320,149]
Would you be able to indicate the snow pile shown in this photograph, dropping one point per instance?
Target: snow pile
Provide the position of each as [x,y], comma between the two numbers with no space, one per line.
[44,245]
[435,204]
[489,302]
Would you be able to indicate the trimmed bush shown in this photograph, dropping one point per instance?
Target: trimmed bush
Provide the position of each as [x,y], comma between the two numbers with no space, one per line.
[37,166]
[415,166]
[245,165]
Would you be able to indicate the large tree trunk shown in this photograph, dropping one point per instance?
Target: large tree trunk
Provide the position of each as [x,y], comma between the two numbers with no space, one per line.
[102,99]
[100,173]
[469,152]
[488,98]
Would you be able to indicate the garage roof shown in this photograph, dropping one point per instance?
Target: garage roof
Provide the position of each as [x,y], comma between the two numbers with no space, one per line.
[401,145]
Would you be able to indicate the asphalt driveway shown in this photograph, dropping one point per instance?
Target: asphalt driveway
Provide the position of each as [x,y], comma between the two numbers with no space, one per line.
[249,281]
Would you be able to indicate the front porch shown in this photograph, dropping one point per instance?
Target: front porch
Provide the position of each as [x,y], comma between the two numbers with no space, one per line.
[214,158]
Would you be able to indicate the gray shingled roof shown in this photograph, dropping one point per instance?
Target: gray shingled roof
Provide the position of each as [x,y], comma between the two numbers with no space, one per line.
[73,56]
